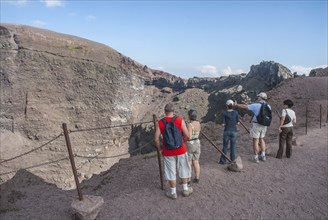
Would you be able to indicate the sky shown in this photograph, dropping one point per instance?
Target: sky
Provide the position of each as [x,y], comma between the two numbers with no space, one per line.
[190,38]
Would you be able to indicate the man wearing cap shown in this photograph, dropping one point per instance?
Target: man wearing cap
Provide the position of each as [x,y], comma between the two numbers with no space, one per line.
[257,131]
[229,118]
[176,159]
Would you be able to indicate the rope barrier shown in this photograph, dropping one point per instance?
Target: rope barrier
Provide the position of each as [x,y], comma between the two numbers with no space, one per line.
[114,126]
[90,129]
[93,157]
[46,163]
[28,152]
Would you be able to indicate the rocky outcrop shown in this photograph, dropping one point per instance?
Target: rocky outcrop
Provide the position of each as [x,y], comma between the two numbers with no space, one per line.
[265,76]
[319,72]
[262,77]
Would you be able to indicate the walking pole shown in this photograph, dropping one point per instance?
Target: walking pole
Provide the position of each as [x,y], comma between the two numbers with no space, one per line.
[158,155]
[216,147]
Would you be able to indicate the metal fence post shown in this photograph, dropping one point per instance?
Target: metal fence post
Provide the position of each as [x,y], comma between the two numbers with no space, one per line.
[71,158]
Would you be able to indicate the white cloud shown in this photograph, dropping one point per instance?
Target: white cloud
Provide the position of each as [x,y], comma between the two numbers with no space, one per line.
[16,2]
[304,70]
[213,71]
[53,3]
[90,17]
[228,71]
[38,23]
[161,68]
[208,69]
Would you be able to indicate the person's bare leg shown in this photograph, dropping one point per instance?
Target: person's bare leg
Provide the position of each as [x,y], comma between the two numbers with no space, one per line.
[196,168]
[187,190]
[173,183]
[185,180]
[172,194]
[191,168]
[256,146]
[262,144]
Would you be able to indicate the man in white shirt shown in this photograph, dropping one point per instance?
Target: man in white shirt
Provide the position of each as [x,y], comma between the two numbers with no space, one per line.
[257,131]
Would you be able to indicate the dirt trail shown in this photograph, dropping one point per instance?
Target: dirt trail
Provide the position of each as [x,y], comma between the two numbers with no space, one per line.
[293,188]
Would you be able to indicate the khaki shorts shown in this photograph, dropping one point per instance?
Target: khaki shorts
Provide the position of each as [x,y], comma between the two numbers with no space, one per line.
[174,163]
[193,150]
[258,131]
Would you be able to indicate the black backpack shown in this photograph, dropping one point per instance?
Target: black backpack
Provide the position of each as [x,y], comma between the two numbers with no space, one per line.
[265,115]
[172,135]
[287,118]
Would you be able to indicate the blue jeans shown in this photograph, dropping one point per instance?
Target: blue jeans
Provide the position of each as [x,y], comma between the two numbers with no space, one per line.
[232,137]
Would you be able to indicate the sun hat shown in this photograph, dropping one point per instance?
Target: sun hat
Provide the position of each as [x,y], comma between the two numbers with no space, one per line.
[229,102]
[263,95]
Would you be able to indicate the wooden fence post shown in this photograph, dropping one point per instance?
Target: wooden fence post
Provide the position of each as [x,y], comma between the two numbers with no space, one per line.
[71,158]
[12,124]
[320,116]
[26,103]
[306,118]
[158,154]
[327,114]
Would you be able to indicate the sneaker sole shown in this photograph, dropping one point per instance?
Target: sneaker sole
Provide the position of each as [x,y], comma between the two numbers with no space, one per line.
[255,161]
[188,193]
[170,196]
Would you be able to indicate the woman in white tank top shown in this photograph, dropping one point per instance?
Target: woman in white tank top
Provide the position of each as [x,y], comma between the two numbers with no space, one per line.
[193,145]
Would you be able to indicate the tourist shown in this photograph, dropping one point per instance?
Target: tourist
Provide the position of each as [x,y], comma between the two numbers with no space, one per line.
[286,130]
[257,131]
[193,145]
[229,118]
[174,159]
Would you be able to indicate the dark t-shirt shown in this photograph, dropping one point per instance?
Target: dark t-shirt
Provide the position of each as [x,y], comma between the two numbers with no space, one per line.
[230,119]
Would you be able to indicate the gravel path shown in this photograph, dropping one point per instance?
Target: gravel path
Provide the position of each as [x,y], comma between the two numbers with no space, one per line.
[293,188]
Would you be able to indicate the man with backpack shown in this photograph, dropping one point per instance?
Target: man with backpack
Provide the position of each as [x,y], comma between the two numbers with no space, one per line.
[174,132]
[262,116]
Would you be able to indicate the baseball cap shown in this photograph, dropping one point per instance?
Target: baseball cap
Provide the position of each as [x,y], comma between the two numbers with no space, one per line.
[229,102]
[263,95]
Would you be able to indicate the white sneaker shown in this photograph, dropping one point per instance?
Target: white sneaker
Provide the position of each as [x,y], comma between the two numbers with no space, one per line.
[255,160]
[188,192]
[263,158]
[173,196]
